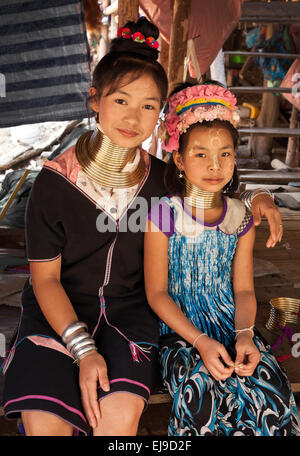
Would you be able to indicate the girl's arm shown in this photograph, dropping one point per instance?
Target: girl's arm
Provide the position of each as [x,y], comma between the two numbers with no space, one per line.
[59,312]
[245,304]
[156,284]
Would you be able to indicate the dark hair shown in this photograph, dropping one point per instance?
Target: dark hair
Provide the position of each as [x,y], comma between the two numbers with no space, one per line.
[130,60]
[173,183]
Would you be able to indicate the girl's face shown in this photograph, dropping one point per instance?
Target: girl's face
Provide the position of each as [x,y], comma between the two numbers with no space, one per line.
[208,160]
[128,116]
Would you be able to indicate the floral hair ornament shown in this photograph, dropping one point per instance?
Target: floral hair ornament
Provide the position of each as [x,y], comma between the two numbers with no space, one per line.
[192,105]
[125,32]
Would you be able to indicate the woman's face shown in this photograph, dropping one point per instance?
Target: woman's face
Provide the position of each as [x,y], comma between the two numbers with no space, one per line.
[208,159]
[128,115]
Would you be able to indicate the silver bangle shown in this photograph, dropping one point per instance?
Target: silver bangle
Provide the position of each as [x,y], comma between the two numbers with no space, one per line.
[71,329]
[262,191]
[77,339]
[84,350]
[81,345]
[248,196]
[246,199]
[83,354]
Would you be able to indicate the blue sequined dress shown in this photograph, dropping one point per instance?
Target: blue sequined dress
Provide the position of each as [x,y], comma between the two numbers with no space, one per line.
[199,281]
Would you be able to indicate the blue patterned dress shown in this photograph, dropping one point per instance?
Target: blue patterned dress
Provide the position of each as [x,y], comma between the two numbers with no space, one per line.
[199,281]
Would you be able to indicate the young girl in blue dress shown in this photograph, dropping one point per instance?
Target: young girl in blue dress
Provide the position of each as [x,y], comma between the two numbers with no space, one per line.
[198,265]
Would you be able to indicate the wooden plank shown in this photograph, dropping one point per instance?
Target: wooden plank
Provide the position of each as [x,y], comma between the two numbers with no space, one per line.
[295,387]
[275,12]
[292,157]
[261,146]
[283,172]
[279,55]
[128,10]
[261,89]
[160,398]
[264,179]
[279,132]
[178,41]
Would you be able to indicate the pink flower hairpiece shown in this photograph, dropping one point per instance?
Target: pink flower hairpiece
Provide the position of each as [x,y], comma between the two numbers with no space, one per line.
[196,104]
[138,37]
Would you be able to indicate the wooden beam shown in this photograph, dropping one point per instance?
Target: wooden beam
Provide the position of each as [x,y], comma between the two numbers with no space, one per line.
[268,176]
[160,398]
[295,387]
[164,54]
[280,55]
[178,41]
[262,89]
[265,131]
[128,10]
[104,39]
[293,143]
[275,12]
[268,116]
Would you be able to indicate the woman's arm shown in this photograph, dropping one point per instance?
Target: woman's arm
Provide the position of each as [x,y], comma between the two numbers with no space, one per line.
[156,284]
[245,304]
[50,294]
[263,205]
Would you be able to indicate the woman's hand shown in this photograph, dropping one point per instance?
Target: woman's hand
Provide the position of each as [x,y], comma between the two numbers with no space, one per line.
[247,355]
[264,206]
[211,351]
[92,370]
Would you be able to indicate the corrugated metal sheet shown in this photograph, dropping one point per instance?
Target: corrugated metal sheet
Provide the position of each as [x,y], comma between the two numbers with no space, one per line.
[44,61]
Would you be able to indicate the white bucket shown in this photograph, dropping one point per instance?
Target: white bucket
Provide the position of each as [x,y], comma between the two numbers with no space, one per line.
[27,134]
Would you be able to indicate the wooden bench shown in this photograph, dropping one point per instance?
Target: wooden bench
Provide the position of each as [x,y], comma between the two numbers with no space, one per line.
[165,398]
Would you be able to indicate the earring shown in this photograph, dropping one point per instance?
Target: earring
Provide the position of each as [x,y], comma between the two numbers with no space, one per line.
[228,186]
[180,174]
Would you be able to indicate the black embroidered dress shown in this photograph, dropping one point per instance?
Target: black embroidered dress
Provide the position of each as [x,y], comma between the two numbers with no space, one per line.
[102,274]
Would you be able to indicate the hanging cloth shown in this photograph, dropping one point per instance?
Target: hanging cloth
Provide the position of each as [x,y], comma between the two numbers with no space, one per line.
[44,62]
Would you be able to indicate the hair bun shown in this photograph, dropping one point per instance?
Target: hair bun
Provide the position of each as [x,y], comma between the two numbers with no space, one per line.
[144,27]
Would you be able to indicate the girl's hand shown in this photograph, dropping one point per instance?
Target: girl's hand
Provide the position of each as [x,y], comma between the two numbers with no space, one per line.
[247,355]
[211,351]
[92,370]
[264,206]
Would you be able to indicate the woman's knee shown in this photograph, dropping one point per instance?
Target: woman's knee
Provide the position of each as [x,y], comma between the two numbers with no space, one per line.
[38,423]
[120,414]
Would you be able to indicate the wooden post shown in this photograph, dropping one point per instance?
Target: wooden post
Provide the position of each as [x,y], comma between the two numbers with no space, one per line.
[293,142]
[267,118]
[164,54]
[178,41]
[103,45]
[128,10]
